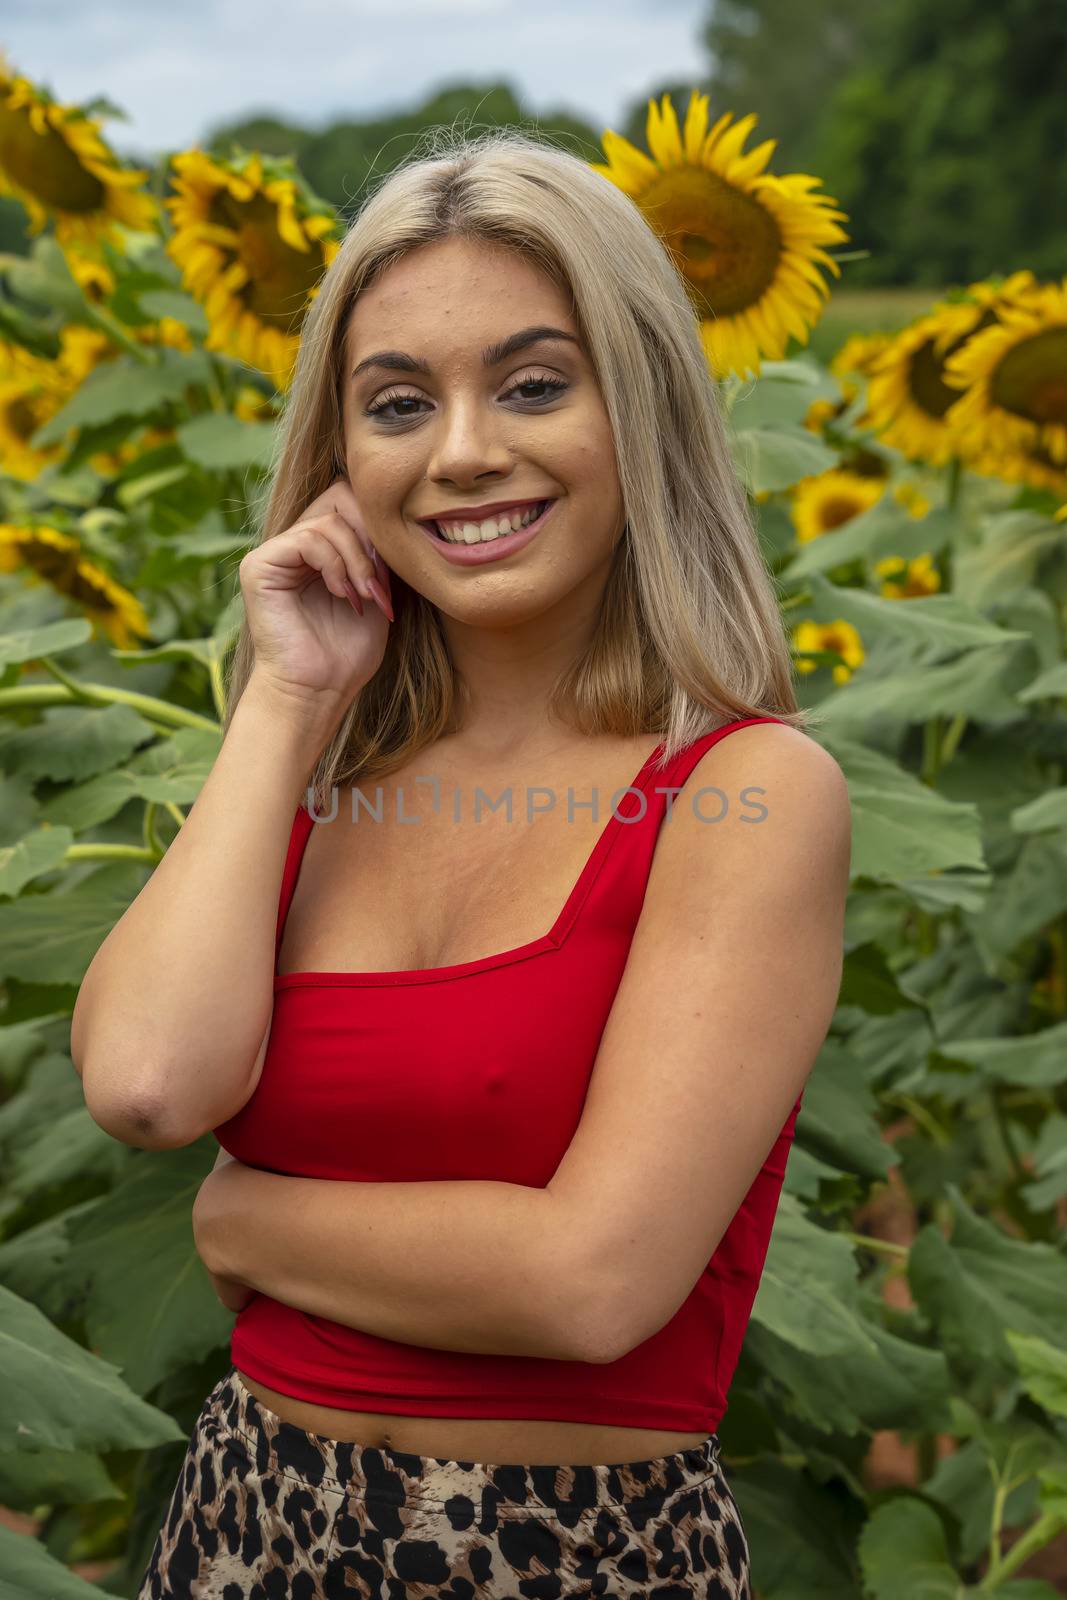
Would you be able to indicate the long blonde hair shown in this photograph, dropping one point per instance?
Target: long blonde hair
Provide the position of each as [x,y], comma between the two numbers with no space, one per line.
[690,634]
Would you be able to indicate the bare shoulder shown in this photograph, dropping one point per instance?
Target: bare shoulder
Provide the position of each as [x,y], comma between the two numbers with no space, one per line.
[775,801]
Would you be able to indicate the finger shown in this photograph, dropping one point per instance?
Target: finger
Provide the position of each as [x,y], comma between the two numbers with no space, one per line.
[340,497]
[330,545]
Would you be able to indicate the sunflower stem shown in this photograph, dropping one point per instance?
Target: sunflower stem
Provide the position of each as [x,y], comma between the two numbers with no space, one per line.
[110,852]
[103,694]
[115,331]
[955,476]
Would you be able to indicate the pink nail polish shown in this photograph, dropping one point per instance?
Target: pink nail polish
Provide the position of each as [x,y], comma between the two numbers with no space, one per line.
[356,602]
[380,596]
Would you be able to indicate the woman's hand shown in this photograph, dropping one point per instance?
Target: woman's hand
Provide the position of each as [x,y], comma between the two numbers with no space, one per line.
[311,632]
[232,1292]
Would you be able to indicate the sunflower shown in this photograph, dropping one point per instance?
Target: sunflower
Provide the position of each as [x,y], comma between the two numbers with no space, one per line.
[54,161]
[253,244]
[1015,378]
[854,356]
[840,637]
[96,281]
[908,397]
[825,501]
[904,580]
[1034,467]
[56,558]
[746,243]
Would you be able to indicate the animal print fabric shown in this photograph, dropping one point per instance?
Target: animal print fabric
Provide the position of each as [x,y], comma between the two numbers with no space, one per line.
[263,1510]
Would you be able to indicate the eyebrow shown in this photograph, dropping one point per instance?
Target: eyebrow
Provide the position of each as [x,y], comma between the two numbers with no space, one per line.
[398,361]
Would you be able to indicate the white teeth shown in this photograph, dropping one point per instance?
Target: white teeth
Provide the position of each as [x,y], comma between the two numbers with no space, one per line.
[492,528]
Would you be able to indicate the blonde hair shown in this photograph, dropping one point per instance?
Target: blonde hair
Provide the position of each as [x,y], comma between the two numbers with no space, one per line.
[690,634]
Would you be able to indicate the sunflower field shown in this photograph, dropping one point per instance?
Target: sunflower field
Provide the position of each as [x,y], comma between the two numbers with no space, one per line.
[898,1421]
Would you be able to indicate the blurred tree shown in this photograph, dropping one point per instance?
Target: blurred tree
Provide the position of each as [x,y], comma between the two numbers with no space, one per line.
[340,160]
[937,127]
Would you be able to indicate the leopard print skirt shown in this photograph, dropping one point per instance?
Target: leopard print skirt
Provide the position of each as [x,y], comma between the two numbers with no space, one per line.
[263,1510]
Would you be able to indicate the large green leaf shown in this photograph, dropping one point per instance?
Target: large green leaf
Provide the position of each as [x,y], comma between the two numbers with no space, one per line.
[798,1532]
[1032,1060]
[28,1572]
[884,530]
[75,741]
[224,442]
[771,459]
[56,1394]
[126,387]
[808,1294]
[977,1286]
[31,857]
[937,624]
[172,771]
[900,826]
[52,938]
[837,1119]
[893,1383]
[51,639]
[904,1553]
[151,1307]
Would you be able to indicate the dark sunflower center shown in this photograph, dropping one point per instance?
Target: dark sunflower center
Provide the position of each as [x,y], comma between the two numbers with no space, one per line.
[725,243]
[836,509]
[926,384]
[279,276]
[45,165]
[1031,380]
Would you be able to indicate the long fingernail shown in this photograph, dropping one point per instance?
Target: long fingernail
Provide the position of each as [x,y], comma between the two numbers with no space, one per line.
[381,597]
[353,597]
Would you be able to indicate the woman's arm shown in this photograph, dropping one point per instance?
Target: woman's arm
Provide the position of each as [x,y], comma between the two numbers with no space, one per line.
[178,997]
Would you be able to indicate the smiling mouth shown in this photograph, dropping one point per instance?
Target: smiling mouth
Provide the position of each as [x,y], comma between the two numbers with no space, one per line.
[532,514]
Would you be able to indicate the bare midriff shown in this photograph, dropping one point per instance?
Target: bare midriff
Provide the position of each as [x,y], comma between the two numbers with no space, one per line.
[500,1440]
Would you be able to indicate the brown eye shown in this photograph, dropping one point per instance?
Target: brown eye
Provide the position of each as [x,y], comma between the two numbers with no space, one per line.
[529,381]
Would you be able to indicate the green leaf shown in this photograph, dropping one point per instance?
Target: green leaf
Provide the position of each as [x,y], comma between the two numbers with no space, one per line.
[900,1384]
[808,1294]
[1032,1060]
[29,1480]
[75,741]
[151,1307]
[50,639]
[1046,814]
[34,854]
[52,938]
[56,1395]
[159,303]
[30,1573]
[939,622]
[171,771]
[221,442]
[126,387]
[1043,1368]
[885,529]
[771,459]
[900,826]
[904,1553]
[838,1117]
[981,1283]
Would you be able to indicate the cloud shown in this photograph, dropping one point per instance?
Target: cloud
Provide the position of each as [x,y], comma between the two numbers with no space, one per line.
[178,70]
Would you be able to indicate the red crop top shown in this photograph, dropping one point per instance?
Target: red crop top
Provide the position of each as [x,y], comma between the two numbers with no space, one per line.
[479,1071]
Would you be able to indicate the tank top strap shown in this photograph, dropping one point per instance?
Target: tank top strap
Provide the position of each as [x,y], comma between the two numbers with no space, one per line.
[298,838]
[678,770]
[617,892]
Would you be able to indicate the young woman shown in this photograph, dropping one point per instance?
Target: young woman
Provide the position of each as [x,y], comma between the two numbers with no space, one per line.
[496,1191]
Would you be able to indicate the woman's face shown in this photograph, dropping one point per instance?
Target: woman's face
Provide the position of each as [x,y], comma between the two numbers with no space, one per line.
[528,426]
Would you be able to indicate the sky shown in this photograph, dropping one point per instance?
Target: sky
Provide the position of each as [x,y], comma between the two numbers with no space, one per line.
[178,68]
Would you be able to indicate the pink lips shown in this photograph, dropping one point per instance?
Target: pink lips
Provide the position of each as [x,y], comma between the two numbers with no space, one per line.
[476,555]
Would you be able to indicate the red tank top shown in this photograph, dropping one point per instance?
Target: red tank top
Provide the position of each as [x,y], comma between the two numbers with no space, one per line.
[479,1071]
